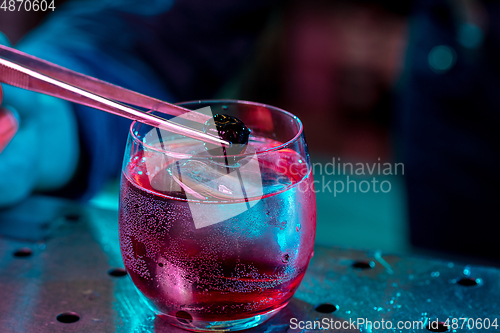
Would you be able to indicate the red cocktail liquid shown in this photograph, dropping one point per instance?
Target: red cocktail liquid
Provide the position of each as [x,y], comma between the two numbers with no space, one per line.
[244,266]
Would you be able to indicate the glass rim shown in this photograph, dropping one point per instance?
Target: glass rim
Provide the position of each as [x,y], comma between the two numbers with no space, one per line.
[221,101]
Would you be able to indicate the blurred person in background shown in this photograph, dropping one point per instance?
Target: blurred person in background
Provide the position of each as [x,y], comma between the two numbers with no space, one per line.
[335,64]
[448,121]
[174,51]
[369,83]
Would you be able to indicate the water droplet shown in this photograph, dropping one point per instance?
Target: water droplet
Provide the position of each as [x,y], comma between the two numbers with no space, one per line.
[224,189]
[435,274]
[285,258]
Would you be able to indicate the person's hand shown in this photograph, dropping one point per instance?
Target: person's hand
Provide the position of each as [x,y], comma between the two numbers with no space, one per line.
[44,152]
[8,125]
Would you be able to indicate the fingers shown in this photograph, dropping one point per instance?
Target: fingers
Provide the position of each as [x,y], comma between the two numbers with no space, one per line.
[18,165]
[8,127]
[18,153]
[9,124]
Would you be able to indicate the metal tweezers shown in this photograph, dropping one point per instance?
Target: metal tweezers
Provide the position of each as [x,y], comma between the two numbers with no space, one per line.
[28,72]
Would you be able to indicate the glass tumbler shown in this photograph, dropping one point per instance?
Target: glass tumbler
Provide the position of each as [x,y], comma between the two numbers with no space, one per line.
[218,242]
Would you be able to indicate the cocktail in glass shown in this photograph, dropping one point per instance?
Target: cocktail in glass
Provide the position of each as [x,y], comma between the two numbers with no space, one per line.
[218,241]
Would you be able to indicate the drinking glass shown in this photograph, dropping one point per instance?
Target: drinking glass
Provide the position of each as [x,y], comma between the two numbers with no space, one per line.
[218,242]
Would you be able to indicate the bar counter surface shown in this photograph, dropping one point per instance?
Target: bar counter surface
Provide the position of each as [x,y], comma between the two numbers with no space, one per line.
[61,271]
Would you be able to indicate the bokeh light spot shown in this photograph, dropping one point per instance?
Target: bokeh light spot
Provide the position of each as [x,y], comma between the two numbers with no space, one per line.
[441,58]
[470,36]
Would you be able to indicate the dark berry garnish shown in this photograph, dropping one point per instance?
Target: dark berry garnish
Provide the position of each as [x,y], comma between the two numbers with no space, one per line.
[230,129]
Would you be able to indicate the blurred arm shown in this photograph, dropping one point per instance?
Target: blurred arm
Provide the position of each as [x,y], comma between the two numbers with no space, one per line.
[179,51]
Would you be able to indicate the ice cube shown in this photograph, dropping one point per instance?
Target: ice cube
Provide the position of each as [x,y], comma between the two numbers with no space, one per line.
[220,182]
[227,190]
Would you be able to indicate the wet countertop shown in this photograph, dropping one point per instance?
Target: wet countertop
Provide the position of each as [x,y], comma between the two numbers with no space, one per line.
[61,271]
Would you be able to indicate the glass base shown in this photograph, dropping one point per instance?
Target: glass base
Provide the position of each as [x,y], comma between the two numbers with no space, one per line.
[219,326]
